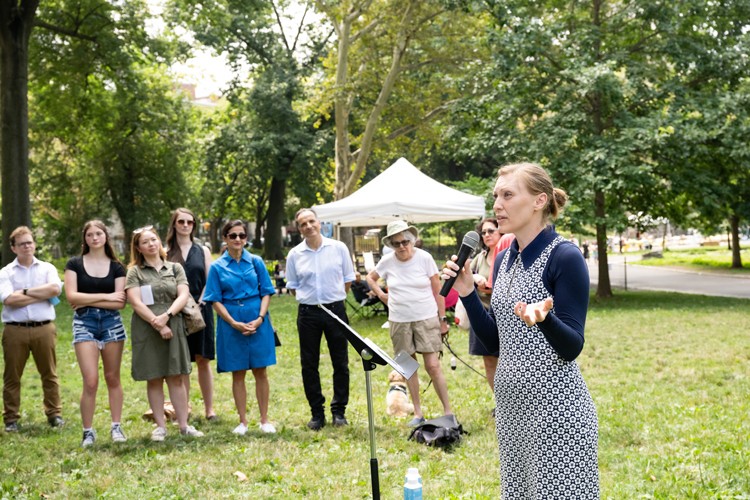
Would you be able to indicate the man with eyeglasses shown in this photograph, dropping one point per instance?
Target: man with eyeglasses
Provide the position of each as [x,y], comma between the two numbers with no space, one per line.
[319,271]
[28,289]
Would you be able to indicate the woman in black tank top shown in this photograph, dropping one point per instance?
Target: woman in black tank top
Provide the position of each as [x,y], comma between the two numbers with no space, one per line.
[195,259]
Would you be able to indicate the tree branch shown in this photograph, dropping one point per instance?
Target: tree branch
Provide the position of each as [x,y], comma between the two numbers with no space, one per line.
[427,117]
[63,31]
[281,27]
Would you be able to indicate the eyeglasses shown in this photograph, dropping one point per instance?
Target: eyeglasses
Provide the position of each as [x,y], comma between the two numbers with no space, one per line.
[402,243]
[488,231]
[186,222]
[24,244]
[141,229]
[234,236]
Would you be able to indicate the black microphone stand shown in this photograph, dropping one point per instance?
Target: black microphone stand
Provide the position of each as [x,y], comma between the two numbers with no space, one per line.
[372,355]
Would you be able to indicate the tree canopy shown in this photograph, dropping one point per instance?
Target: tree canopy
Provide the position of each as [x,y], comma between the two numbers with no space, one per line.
[637,108]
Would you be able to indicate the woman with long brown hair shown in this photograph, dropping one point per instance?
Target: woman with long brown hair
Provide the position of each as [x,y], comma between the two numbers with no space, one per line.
[95,289]
[196,261]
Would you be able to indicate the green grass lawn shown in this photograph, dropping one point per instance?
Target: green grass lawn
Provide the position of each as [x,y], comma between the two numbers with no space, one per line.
[717,258]
[670,375]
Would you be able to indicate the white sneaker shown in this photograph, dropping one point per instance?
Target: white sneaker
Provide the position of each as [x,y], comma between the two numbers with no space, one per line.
[89,437]
[268,428]
[159,434]
[117,435]
[191,431]
[240,430]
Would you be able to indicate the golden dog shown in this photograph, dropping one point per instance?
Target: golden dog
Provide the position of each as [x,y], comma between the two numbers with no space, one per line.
[397,400]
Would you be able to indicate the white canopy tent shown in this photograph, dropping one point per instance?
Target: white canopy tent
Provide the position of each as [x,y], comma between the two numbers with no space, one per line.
[401,192]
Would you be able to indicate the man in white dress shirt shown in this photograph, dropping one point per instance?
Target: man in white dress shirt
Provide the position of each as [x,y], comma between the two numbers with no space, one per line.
[319,271]
[28,288]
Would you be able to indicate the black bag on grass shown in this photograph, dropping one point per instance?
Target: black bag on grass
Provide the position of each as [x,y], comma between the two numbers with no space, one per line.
[441,432]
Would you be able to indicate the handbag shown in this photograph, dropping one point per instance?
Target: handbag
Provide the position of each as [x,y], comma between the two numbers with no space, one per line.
[193,317]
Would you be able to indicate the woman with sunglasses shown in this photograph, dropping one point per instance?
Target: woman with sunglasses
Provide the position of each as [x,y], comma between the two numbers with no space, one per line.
[196,261]
[240,289]
[95,289]
[481,267]
[158,291]
[416,310]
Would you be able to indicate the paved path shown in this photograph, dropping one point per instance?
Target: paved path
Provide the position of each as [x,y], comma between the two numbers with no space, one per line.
[672,280]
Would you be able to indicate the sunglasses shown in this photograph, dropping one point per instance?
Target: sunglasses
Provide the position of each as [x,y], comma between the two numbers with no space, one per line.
[402,243]
[234,236]
[141,229]
[186,222]
[488,231]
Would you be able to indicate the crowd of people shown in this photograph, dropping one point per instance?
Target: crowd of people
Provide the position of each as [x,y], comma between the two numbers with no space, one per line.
[525,294]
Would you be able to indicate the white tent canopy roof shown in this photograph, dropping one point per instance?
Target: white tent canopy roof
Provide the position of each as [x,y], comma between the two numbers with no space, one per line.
[401,192]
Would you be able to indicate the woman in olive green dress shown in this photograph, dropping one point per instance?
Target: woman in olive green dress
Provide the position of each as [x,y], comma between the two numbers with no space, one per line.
[158,291]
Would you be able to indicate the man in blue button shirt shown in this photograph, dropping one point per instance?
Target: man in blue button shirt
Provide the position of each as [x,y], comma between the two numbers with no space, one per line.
[319,271]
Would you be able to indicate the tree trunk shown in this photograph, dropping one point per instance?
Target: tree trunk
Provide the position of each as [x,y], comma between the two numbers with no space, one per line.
[351,166]
[342,108]
[214,234]
[734,224]
[603,287]
[15,29]
[273,249]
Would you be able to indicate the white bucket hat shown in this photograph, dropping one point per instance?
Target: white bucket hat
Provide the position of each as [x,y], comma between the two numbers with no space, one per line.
[395,227]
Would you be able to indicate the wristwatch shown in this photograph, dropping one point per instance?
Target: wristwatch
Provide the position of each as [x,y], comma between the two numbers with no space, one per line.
[444,319]
[169,314]
[25,291]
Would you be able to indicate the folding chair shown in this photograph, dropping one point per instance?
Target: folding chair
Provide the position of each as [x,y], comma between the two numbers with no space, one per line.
[363,305]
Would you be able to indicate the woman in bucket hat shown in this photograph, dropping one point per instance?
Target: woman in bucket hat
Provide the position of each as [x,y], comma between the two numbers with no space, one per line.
[416,310]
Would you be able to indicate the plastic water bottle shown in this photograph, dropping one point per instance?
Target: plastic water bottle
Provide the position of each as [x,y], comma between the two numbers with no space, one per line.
[413,485]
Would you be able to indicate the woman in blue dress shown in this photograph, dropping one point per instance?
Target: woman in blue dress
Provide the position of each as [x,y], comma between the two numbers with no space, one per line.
[240,289]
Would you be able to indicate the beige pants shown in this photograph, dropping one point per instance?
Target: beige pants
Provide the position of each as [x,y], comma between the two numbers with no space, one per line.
[18,343]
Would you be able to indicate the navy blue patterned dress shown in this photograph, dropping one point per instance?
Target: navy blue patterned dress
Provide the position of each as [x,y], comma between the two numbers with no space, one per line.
[546,421]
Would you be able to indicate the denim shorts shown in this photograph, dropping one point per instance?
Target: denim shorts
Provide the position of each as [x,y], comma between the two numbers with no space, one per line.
[93,324]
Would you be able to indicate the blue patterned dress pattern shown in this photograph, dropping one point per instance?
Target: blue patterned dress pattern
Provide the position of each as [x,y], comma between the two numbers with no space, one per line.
[239,286]
[546,420]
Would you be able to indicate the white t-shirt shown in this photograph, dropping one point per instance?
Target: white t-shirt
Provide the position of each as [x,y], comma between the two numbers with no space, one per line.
[410,296]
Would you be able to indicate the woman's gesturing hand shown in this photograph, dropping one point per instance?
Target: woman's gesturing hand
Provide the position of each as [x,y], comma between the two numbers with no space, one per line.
[531,314]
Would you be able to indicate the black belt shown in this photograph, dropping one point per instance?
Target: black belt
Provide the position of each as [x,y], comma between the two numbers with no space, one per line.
[316,306]
[30,324]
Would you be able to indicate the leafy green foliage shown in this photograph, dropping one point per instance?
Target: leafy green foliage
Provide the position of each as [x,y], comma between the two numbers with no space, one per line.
[270,147]
[110,134]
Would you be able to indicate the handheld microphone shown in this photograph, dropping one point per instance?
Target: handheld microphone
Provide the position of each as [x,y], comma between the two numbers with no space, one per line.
[468,245]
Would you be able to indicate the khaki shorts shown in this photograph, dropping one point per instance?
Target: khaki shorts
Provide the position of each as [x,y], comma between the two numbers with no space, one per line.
[417,336]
